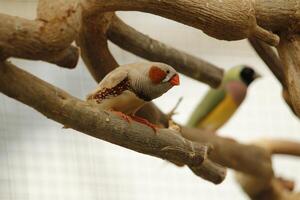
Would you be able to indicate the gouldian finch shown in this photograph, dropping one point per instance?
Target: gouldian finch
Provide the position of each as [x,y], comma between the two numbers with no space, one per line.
[218,105]
[128,87]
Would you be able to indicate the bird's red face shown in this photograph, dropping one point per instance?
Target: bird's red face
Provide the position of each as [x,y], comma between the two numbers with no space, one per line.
[157,75]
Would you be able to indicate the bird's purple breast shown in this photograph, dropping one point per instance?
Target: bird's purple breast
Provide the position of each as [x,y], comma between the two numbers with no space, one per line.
[237,90]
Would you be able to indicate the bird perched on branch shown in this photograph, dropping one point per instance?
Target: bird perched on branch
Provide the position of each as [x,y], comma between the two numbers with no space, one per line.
[128,87]
[220,104]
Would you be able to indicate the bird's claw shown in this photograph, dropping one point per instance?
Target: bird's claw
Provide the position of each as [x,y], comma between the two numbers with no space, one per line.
[122,115]
[137,119]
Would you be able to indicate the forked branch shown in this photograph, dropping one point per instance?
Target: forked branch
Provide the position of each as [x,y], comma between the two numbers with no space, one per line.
[249,159]
[260,188]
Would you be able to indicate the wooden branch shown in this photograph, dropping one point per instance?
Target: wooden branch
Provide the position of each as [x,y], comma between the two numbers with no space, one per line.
[173,112]
[278,15]
[277,146]
[33,40]
[277,188]
[133,41]
[210,171]
[67,58]
[249,159]
[271,59]
[289,51]
[259,188]
[93,44]
[59,22]
[154,115]
[87,118]
[267,54]
[47,38]
[212,17]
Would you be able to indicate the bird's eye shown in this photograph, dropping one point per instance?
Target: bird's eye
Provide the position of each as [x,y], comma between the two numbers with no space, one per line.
[247,75]
[168,71]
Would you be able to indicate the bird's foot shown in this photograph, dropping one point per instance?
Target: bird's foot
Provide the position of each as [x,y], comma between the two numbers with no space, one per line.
[137,119]
[145,121]
[122,115]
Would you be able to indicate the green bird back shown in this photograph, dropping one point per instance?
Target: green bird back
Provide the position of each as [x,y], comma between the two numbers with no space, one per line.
[212,98]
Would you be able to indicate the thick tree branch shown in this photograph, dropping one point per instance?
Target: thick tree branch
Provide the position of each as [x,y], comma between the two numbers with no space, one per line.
[278,15]
[267,54]
[87,118]
[210,171]
[260,188]
[33,40]
[47,38]
[212,17]
[67,58]
[58,22]
[275,15]
[93,44]
[289,52]
[153,114]
[249,159]
[277,146]
[271,59]
[133,41]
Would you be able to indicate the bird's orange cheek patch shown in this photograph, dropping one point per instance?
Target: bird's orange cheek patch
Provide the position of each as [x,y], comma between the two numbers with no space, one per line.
[156,74]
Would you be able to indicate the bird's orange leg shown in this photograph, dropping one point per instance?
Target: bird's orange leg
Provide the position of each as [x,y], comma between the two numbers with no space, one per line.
[145,121]
[122,115]
[136,118]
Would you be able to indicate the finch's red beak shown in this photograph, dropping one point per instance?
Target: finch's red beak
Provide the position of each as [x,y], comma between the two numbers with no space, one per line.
[175,80]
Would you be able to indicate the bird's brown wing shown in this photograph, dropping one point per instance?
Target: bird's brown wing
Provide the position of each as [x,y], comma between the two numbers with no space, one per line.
[114,78]
[111,81]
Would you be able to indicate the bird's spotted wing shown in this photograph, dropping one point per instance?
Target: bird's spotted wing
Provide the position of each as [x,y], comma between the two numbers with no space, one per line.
[207,105]
[113,84]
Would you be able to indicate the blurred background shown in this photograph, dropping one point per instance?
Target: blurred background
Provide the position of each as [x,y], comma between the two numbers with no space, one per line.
[40,160]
